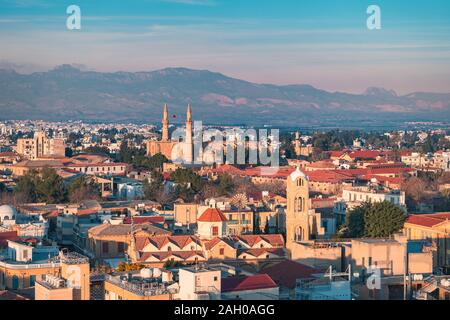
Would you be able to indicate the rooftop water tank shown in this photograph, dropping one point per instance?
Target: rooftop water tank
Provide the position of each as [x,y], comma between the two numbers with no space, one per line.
[146,273]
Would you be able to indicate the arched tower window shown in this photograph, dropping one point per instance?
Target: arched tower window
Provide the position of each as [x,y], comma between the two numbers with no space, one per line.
[300,182]
[299,204]
[298,235]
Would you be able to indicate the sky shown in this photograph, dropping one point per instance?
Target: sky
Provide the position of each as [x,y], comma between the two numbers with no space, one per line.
[324,43]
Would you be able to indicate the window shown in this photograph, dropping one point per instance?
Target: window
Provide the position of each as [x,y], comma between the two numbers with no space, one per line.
[215,278]
[215,231]
[15,282]
[222,251]
[105,247]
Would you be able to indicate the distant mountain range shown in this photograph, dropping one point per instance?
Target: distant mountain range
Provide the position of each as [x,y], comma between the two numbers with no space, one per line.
[67,93]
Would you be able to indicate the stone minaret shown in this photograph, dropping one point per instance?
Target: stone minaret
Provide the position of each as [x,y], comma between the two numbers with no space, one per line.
[189,146]
[189,124]
[165,124]
[298,148]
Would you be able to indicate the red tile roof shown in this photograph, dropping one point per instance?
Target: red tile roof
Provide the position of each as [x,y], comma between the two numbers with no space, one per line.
[143,219]
[255,282]
[8,155]
[276,240]
[263,252]
[322,164]
[166,255]
[212,215]
[428,220]
[215,241]
[8,235]
[364,154]
[160,241]
[287,272]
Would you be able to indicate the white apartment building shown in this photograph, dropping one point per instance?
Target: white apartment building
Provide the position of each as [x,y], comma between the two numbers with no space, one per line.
[355,196]
[438,160]
[359,195]
[198,283]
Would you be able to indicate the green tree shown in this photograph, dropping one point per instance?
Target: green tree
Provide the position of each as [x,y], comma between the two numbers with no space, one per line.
[187,178]
[82,189]
[355,220]
[46,186]
[68,152]
[50,187]
[375,220]
[25,190]
[157,161]
[383,219]
[153,188]
[2,187]
[171,264]
[225,184]
[97,150]
[189,184]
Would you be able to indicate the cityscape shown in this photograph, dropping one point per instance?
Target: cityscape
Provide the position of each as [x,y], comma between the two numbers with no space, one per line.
[185,184]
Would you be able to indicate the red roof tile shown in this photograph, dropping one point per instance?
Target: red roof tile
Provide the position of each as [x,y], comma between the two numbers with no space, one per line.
[255,282]
[212,215]
[143,219]
[428,220]
[287,272]
[161,256]
[276,240]
[8,235]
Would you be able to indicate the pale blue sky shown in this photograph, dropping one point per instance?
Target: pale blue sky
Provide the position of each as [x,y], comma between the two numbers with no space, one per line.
[324,43]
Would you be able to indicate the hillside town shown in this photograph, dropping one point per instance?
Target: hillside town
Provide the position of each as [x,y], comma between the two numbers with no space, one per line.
[93,211]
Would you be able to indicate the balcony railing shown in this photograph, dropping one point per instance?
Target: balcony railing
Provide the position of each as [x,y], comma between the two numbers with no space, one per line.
[142,289]
[25,266]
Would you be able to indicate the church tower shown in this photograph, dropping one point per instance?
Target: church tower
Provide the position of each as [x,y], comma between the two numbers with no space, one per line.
[165,124]
[297,211]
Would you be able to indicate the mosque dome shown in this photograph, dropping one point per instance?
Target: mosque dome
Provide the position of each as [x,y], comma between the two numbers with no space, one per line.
[7,213]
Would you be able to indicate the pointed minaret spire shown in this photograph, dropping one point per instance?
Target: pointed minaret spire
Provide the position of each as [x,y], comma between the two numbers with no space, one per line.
[165,124]
[188,156]
[189,124]
[189,113]
[165,112]
[298,147]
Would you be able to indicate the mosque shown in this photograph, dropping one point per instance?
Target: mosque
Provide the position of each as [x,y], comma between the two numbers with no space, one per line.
[180,151]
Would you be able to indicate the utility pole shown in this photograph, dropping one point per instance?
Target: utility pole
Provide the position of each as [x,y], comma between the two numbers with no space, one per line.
[405,270]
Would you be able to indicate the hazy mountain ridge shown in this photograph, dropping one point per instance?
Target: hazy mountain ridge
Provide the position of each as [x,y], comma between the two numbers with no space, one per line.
[68,93]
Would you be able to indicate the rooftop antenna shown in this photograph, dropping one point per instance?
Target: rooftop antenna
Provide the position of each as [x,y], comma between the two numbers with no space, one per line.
[133,242]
